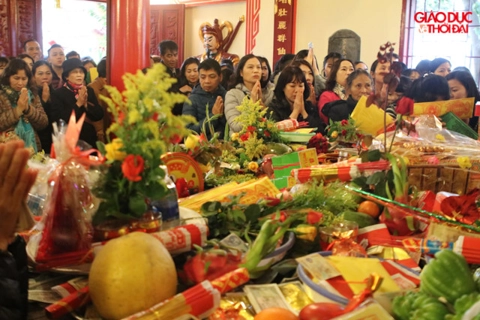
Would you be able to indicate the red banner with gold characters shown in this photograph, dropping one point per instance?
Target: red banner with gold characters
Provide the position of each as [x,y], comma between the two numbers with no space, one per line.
[284,28]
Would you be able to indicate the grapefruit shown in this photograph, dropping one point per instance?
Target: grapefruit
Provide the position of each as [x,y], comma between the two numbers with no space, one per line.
[130,274]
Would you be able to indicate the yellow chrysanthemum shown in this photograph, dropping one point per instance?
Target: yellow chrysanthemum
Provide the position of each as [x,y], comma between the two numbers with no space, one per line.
[334,134]
[113,150]
[134,116]
[253,166]
[234,136]
[464,162]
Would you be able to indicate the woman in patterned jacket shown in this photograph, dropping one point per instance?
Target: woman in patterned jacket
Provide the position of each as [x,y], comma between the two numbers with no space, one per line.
[21,112]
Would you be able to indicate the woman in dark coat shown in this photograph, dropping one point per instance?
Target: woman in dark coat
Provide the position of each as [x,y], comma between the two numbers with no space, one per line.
[290,100]
[42,78]
[75,96]
[359,83]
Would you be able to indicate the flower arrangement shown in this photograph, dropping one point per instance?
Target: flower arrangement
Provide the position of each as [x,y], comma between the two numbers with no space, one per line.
[257,129]
[344,130]
[144,127]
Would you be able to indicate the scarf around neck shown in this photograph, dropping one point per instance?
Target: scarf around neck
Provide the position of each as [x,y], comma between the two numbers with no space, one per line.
[73,87]
[340,91]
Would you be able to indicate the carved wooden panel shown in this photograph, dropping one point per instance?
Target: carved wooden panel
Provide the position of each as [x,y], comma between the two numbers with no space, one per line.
[20,20]
[5,42]
[167,22]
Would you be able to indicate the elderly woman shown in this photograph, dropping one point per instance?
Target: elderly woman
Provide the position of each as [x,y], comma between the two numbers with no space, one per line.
[291,99]
[21,112]
[359,84]
[75,96]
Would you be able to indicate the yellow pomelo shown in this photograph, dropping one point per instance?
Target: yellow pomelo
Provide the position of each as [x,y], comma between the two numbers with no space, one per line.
[131,274]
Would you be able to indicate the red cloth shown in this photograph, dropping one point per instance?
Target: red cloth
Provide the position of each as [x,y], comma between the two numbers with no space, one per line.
[326,97]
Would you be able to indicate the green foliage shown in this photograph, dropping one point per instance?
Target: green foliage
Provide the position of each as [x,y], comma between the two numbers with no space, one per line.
[144,126]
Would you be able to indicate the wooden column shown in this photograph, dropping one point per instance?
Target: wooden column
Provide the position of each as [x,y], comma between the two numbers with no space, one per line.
[128,38]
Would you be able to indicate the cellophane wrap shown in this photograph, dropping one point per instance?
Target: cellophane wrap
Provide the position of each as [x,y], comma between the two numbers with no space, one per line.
[424,140]
[66,230]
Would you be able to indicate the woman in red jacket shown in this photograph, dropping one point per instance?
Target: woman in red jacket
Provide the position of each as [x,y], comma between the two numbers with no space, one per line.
[335,85]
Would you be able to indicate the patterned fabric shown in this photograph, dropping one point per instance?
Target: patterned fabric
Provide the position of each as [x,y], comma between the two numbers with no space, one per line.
[9,118]
[73,87]
[23,129]
[340,91]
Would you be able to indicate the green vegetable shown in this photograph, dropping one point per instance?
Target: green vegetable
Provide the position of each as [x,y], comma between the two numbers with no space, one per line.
[430,311]
[363,220]
[402,305]
[414,304]
[464,303]
[447,276]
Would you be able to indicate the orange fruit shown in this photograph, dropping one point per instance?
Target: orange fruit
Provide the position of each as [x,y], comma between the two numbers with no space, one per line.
[275,314]
[370,208]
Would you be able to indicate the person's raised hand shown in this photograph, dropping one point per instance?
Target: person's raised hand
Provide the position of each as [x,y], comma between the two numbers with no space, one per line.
[82,97]
[45,92]
[312,97]
[186,89]
[256,93]
[15,183]
[22,102]
[218,106]
[310,56]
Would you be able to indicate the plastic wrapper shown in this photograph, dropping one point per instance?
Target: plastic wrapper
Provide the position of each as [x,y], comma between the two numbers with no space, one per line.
[346,170]
[66,231]
[424,140]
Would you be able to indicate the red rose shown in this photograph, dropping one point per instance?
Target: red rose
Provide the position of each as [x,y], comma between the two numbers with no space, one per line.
[245,136]
[155,117]
[251,129]
[132,167]
[266,133]
[344,122]
[314,217]
[175,139]
[344,132]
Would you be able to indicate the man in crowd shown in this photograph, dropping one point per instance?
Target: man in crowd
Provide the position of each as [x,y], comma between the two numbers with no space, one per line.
[169,56]
[56,56]
[209,95]
[32,48]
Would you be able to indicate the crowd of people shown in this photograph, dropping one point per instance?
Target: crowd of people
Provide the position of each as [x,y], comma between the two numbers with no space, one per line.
[36,91]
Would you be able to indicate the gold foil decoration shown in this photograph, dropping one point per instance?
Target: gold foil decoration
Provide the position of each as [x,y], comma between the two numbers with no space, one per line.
[234,306]
[295,295]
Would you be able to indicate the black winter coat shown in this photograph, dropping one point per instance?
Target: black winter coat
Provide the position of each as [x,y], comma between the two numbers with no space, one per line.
[45,135]
[280,110]
[339,110]
[14,282]
[64,101]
